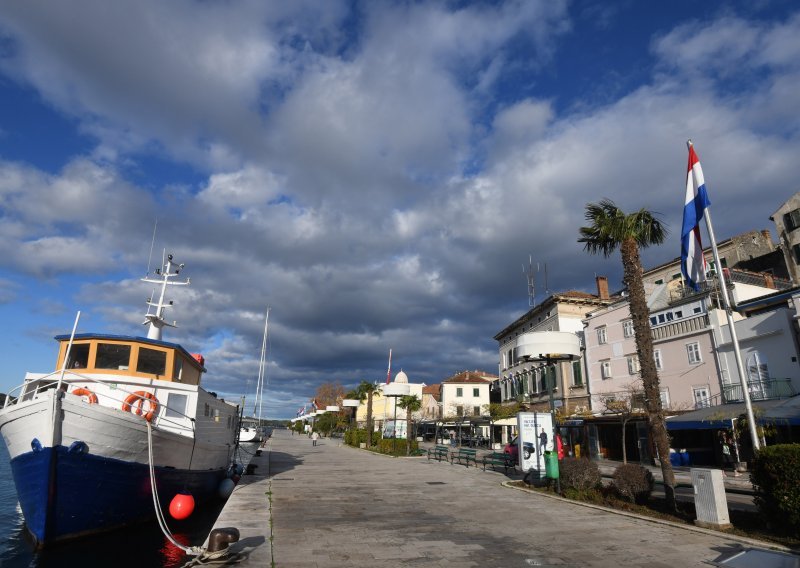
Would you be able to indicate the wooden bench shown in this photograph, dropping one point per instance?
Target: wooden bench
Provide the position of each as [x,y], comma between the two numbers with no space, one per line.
[464,456]
[499,459]
[438,452]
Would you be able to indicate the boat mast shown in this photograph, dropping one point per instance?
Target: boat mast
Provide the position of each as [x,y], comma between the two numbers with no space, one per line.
[262,368]
[155,321]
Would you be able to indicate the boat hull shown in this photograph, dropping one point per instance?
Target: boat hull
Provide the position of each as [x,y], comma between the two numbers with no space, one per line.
[67,494]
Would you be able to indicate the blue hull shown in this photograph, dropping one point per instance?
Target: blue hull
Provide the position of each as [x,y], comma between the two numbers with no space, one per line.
[67,494]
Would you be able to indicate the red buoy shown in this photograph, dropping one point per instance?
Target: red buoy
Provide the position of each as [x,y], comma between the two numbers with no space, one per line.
[182,506]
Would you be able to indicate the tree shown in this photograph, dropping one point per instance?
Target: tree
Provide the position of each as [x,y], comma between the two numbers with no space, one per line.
[610,228]
[329,394]
[410,403]
[497,411]
[624,405]
[365,390]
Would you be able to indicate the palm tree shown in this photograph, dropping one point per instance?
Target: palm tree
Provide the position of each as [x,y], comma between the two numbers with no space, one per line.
[610,228]
[365,390]
[410,403]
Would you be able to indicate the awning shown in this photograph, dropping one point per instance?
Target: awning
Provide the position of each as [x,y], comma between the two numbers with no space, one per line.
[785,412]
[717,417]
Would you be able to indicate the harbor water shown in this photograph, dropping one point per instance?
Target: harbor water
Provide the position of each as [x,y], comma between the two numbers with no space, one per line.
[139,546]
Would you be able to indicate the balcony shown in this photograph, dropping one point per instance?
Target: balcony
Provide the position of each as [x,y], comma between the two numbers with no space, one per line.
[764,389]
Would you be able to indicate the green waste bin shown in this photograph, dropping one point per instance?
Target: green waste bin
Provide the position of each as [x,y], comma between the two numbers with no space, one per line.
[551,465]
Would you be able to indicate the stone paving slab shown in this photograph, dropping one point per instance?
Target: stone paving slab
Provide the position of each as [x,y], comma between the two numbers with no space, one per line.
[334,506]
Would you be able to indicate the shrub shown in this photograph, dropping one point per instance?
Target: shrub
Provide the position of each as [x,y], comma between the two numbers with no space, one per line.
[358,436]
[633,482]
[776,480]
[388,446]
[580,474]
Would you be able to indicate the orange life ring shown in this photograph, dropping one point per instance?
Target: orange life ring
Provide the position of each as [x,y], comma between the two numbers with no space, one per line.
[80,391]
[130,404]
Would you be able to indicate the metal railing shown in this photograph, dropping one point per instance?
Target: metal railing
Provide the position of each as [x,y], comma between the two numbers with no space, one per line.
[764,389]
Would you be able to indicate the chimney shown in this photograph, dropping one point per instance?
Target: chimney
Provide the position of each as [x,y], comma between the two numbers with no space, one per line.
[602,287]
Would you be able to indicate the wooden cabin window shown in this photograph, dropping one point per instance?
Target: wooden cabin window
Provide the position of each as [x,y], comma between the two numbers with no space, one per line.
[113,356]
[177,368]
[151,361]
[78,356]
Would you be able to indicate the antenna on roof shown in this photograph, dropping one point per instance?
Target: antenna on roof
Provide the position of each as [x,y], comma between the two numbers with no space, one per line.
[546,286]
[531,277]
[152,243]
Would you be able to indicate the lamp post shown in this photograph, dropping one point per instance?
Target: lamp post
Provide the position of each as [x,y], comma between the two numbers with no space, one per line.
[395,391]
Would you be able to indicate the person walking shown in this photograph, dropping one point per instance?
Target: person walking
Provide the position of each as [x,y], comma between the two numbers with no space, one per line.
[314,438]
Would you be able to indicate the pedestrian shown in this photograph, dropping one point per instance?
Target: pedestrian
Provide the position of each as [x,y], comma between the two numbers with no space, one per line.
[542,441]
[559,447]
[725,448]
[314,438]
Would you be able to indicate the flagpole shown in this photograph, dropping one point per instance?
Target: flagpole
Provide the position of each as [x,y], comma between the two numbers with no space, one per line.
[734,339]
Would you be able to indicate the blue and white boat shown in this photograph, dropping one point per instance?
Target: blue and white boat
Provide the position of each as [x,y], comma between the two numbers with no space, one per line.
[82,439]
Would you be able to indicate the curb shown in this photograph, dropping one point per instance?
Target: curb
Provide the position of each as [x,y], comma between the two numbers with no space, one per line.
[742,539]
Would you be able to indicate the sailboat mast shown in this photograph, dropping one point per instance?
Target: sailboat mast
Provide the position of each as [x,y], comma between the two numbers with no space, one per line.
[262,368]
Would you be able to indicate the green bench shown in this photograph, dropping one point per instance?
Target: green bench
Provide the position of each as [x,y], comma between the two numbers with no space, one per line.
[496,459]
[464,456]
[438,453]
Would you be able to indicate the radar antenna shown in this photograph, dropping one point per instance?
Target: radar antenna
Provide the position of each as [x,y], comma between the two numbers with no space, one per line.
[155,319]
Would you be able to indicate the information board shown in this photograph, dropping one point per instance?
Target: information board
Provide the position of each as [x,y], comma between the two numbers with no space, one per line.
[535,437]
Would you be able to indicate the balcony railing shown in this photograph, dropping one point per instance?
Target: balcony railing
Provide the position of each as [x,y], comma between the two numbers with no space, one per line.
[764,389]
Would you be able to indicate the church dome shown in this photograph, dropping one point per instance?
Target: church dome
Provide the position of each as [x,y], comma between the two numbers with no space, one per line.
[401,377]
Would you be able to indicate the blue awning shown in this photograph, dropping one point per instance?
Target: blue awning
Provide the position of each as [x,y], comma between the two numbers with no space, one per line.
[719,417]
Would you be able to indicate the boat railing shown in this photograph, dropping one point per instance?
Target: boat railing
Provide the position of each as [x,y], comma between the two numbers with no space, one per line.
[51,380]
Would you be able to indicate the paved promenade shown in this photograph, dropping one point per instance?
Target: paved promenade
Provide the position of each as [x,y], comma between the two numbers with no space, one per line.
[335,506]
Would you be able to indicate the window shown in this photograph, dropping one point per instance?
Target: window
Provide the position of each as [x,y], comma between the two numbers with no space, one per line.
[796,251]
[78,356]
[151,361]
[176,405]
[605,369]
[660,281]
[791,220]
[701,398]
[476,392]
[577,377]
[178,370]
[657,357]
[627,328]
[208,410]
[633,364]
[460,410]
[459,392]
[476,410]
[113,356]
[693,351]
[602,336]
[664,398]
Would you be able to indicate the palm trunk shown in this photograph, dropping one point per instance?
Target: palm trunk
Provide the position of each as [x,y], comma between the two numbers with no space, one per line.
[632,267]
[369,420]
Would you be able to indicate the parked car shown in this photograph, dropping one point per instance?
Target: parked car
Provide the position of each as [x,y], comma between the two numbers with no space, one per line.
[512,449]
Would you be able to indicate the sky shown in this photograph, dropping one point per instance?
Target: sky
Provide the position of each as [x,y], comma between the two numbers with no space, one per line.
[377,173]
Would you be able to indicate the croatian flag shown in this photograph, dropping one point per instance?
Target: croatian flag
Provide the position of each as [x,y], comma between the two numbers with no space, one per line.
[302,411]
[693,264]
[314,404]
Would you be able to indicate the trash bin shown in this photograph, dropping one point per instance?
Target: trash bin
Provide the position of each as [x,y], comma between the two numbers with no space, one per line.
[674,458]
[551,465]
